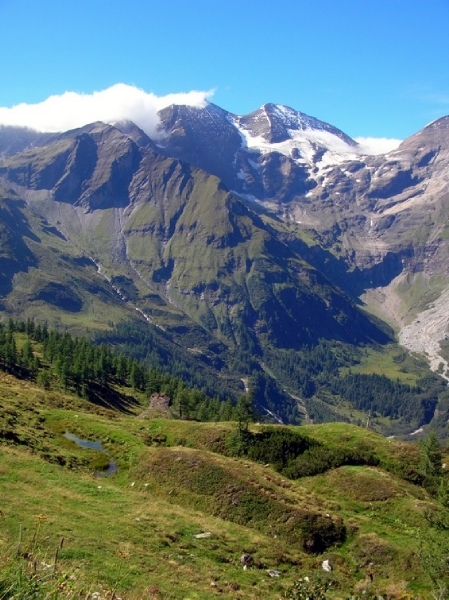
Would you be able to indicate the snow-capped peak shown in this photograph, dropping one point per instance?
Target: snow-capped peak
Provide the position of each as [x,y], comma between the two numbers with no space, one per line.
[305,139]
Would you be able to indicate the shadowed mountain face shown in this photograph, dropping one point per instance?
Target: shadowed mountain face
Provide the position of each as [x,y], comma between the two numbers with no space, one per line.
[255,233]
[366,222]
[182,236]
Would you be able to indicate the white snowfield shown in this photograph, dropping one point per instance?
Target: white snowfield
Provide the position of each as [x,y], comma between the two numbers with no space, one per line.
[308,137]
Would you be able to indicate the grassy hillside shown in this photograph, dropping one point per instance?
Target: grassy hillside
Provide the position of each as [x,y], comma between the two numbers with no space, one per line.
[133,533]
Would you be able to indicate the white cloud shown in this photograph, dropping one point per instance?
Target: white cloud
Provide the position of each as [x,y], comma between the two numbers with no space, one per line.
[116,103]
[371,145]
[124,102]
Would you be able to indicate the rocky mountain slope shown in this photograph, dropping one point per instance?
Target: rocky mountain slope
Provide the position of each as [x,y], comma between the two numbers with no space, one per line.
[246,237]
[135,212]
[378,223]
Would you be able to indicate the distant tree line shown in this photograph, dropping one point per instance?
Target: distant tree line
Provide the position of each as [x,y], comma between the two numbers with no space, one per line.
[55,359]
[151,349]
[131,356]
[388,397]
[316,373]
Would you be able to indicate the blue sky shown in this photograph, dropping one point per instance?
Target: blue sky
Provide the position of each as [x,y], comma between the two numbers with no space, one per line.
[370,67]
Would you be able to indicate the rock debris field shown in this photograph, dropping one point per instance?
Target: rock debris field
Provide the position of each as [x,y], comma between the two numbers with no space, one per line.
[424,334]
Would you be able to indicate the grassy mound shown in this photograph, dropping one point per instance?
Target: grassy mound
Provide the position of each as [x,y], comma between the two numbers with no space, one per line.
[222,488]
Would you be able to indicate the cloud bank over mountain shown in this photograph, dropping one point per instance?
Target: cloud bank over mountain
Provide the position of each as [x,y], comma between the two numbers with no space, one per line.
[372,145]
[124,102]
[116,103]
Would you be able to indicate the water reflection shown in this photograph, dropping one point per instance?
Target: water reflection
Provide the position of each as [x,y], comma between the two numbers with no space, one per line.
[93,445]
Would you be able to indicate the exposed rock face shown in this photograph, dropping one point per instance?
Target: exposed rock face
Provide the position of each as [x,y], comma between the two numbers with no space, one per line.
[206,138]
[425,332]
[159,401]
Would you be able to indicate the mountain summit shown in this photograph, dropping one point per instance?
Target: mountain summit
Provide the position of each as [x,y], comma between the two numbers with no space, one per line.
[249,152]
[276,123]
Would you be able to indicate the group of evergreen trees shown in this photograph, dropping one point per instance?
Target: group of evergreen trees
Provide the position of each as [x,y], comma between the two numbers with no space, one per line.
[151,349]
[129,356]
[55,359]
[389,398]
[317,372]
[320,374]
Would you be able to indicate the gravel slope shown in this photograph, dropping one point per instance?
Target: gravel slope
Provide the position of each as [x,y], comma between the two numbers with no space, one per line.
[427,330]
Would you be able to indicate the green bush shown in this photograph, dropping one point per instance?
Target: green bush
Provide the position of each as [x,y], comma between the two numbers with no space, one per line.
[304,589]
[319,459]
[278,446]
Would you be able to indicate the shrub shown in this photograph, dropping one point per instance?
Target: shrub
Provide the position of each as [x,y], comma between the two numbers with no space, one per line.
[278,446]
[319,459]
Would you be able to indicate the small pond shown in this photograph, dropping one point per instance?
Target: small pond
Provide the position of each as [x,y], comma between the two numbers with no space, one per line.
[93,445]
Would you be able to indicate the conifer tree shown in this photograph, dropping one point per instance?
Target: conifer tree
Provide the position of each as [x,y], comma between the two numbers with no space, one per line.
[245,413]
[27,354]
[431,461]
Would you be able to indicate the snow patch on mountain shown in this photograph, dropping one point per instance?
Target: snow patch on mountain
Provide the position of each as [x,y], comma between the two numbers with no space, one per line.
[303,146]
[309,141]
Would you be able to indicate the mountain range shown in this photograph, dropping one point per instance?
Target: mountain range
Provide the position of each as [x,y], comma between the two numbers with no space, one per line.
[239,243]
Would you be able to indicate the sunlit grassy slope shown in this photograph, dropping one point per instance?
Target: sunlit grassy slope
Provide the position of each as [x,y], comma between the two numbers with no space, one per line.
[134,533]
